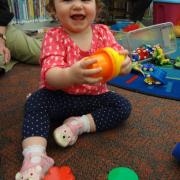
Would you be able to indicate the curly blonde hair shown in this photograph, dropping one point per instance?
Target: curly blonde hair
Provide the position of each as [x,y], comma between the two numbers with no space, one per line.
[51,8]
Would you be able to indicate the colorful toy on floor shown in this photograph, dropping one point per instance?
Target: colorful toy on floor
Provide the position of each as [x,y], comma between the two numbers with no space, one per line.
[148,52]
[150,81]
[131,27]
[148,67]
[109,60]
[122,173]
[157,76]
[153,75]
[59,173]
[135,56]
[177,62]
[120,25]
[143,52]
[176,151]
[149,49]
[159,57]
[136,66]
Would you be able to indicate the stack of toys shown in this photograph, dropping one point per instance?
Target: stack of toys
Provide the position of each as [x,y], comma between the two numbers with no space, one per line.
[156,56]
[154,52]
[149,48]
[109,60]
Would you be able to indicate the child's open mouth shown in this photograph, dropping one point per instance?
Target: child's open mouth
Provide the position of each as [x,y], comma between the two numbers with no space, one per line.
[78,17]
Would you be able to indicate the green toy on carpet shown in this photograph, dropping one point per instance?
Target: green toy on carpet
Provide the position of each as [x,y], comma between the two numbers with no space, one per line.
[122,173]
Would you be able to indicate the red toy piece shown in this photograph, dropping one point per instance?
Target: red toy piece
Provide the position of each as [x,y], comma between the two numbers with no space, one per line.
[59,173]
[131,27]
[143,53]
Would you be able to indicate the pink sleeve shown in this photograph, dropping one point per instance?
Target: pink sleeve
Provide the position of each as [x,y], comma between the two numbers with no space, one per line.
[52,52]
[109,39]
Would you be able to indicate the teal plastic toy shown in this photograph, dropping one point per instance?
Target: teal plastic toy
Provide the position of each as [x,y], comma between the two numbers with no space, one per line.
[122,173]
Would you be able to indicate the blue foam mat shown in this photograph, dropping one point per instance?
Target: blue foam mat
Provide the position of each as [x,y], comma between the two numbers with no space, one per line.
[135,82]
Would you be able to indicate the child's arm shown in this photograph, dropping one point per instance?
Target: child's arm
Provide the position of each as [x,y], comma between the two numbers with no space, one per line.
[61,78]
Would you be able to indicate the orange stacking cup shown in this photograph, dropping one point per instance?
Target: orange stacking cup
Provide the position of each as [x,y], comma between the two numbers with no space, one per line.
[109,60]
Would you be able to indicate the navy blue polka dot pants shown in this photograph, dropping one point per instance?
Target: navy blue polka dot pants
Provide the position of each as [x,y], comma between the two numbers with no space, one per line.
[45,107]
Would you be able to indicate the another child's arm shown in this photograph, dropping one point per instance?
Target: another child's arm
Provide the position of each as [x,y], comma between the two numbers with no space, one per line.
[3,49]
[78,73]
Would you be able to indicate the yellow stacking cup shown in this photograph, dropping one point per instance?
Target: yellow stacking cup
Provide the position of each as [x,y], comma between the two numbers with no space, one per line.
[109,60]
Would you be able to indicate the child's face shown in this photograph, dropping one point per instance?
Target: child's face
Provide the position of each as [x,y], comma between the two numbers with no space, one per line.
[75,15]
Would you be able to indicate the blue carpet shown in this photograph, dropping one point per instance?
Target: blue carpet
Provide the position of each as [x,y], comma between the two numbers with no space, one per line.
[135,82]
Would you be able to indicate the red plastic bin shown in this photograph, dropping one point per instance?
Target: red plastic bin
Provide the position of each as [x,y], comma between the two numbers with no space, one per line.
[166,11]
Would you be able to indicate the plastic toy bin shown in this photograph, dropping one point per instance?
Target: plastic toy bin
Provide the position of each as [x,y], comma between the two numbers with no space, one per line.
[161,34]
[166,11]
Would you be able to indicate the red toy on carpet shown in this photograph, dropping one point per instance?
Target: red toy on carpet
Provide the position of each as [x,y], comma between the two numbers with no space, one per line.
[59,173]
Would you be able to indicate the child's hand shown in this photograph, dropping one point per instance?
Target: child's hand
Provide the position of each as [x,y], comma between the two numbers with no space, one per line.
[5,52]
[127,63]
[80,74]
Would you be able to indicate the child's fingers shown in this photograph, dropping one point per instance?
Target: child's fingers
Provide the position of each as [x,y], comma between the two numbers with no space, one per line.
[84,63]
[124,52]
[126,62]
[88,72]
[7,55]
[126,66]
[93,80]
[126,69]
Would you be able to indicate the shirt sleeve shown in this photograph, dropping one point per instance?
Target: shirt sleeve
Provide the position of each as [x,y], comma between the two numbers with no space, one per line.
[109,39]
[52,52]
[5,14]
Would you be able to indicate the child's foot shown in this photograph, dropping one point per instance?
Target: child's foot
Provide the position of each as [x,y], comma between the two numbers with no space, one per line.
[67,134]
[34,167]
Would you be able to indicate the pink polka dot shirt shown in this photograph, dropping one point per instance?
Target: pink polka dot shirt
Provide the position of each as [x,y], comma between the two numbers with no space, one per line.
[59,50]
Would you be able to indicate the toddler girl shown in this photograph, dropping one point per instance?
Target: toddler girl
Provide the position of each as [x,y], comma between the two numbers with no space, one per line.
[68,93]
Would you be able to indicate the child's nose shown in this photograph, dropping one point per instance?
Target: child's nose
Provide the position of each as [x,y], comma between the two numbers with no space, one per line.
[78,4]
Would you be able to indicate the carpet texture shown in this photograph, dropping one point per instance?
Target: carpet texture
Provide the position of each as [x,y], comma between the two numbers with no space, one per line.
[144,143]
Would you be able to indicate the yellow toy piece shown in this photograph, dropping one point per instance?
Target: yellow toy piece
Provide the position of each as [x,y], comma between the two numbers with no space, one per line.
[109,60]
[177,30]
[159,56]
[150,81]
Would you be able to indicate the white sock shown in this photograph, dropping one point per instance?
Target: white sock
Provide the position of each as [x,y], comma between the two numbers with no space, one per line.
[79,124]
[84,121]
[86,125]
[37,150]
